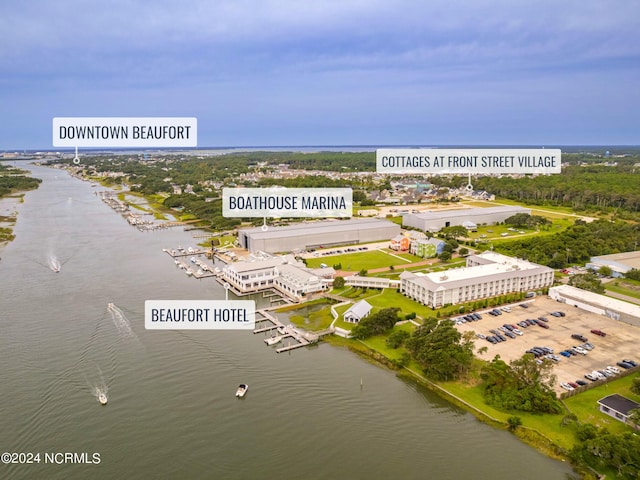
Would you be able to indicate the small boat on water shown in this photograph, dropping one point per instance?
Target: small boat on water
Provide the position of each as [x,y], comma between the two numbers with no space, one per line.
[273,340]
[242,390]
[102,398]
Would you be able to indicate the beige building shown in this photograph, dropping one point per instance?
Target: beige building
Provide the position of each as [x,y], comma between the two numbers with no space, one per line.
[284,274]
[488,274]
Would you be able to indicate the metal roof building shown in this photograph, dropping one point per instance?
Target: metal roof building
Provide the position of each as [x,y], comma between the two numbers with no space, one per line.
[309,235]
[596,303]
[436,220]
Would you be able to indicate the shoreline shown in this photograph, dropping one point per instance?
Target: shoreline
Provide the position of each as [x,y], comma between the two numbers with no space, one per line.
[527,435]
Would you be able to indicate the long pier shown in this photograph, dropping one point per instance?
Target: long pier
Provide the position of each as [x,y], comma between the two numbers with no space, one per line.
[301,338]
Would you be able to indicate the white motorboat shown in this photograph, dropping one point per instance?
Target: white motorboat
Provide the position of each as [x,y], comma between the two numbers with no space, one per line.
[273,340]
[242,390]
[102,398]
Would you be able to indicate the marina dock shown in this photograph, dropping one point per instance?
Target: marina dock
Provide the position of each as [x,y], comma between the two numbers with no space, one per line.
[265,322]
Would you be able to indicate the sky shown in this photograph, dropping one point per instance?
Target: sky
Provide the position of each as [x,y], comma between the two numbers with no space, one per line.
[328,72]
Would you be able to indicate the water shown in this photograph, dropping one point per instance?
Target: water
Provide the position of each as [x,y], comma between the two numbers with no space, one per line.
[172,413]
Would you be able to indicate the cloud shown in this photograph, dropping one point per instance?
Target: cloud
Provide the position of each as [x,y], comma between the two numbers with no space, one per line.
[276,60]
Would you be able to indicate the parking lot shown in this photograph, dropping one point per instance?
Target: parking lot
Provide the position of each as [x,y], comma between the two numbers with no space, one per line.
[622,340]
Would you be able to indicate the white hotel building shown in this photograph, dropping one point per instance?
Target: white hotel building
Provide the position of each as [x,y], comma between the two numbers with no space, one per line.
[284,274]
[488,274]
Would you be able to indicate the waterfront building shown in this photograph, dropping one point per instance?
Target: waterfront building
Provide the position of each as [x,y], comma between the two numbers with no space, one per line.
[357,312]
[488,274]
[284,274]
[320,234]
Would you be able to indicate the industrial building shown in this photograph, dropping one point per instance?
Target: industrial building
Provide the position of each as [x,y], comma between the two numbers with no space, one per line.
[596,303]
[436,220]
[313,235]
[620,263]
[488,274]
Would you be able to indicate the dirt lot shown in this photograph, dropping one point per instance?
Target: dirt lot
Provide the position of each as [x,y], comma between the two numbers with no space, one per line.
[622,340]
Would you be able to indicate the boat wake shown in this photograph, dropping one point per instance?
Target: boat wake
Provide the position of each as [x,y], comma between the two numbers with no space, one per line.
[54,264]
[122,323]
[99,388]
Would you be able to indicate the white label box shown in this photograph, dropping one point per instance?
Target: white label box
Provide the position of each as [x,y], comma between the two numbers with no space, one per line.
[437,161]
[199,314]
[125,132]
[287,202]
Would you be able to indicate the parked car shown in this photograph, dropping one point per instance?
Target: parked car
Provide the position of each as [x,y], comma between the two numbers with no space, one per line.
[524,305]
[630,362]
[577,336]
[566,386]
[580,350]
[544,319]
[582,383]
[491,339]
[564,353]
[501,338]
[509,334]
[517,331]
[613,370]
[543,325]
[523,324]
[587,346]
[598,332]
[624,365]
[480,336]
[573,384]
[590,376]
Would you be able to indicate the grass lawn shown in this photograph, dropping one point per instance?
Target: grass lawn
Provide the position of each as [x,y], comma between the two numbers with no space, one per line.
[585,406]
[355,262]
[624,286]
[378,342]
[313,321]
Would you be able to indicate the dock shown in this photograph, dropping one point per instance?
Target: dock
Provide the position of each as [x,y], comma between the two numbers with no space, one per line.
[286,332]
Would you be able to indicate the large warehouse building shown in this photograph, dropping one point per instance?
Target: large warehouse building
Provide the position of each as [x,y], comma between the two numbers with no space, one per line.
[305,236]
[488,274]
[596,303]
[620,263]
[434,221]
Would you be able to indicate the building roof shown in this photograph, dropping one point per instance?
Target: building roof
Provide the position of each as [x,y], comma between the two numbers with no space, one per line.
[260,264]
[465,212]
[619,403]
[602,301]
[626,259]
[317,228]
[359,310]
[494,264]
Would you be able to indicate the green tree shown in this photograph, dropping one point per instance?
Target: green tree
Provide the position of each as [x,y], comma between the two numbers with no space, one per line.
[376,323]
[440,349]
[338,282]
[397,338]
[605,271]
[587,281]
[514,422]
[635,385]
